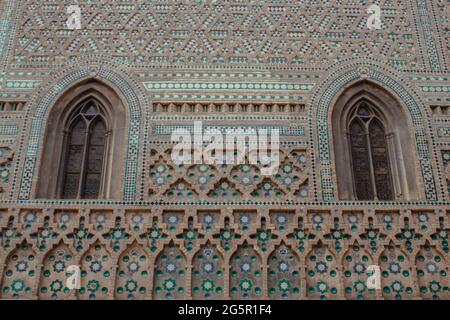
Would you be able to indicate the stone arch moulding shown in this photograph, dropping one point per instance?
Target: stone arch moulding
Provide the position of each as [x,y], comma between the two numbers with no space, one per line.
[320,112]
[102,73]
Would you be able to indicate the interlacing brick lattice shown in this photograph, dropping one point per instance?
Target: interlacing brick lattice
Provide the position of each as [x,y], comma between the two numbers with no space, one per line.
[208,253]
[232,183]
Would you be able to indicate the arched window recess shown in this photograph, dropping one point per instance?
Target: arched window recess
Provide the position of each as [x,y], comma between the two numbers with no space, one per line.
[84,152]
[374,149]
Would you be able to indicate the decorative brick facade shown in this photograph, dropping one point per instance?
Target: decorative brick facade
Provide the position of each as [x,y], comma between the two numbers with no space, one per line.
[212,231]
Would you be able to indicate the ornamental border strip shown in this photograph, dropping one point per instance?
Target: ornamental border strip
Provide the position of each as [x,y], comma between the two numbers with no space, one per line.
[164,97]
[199,204]
[225,86]
[8,6]
[427,32]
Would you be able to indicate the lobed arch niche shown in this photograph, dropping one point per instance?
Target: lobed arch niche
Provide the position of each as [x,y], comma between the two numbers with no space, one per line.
[85,135]
[374,148]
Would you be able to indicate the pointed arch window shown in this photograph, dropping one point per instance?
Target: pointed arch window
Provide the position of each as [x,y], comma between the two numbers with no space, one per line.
[374,151]
[372,176]
[84,155]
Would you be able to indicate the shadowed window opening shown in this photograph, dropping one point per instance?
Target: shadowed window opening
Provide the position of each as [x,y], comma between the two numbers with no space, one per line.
[372,175]
[86,135]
